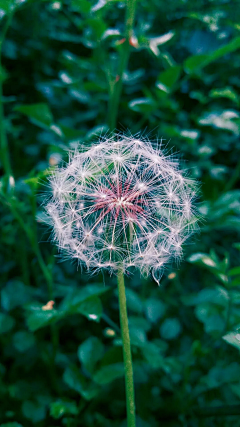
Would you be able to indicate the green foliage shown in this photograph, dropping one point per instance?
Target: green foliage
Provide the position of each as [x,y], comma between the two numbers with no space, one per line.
[38,113]
[197,62]
[6,323]
[61,407]
[61,350]
[170,329]
[109,373]
[90,352]
[78,382]
[33,411]
[11,425]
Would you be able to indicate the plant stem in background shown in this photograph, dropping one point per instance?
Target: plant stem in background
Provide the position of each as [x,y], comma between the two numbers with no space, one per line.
[35,248]
[45,271]
[234,178]
[116,89]
[127,356]
[5,158]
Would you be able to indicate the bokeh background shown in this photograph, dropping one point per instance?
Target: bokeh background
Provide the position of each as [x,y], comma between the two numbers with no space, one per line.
[61,364]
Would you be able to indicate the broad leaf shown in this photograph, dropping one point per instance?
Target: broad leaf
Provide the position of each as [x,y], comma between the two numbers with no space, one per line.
[196,62]
[39,114]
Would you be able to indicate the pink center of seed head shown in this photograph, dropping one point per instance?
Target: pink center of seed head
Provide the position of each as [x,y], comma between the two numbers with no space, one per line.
[116,199]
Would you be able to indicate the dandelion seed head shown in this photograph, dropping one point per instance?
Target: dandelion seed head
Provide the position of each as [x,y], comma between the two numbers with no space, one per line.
[122,203]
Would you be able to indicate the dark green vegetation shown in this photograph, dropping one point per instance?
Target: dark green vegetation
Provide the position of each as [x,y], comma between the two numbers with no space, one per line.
[63,366]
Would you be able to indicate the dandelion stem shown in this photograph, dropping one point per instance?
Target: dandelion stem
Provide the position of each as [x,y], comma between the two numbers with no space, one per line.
[127,356]
[116,89]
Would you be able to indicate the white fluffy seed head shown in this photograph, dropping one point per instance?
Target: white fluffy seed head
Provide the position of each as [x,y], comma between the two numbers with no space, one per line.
[123,203]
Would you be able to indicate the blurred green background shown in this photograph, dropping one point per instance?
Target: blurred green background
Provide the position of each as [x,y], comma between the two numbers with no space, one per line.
[61,364]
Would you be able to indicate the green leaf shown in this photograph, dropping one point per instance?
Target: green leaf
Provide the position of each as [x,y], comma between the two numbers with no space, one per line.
[173,367]
[134,302]
[235,389]
[167,79]
[170,328]
[203,312]
[214,324]
[33,411]
[216,295]
[152,353]
[6,323]
[139,322]
[235,282]
[78,296]
[226,92]
[23,340]
[219,375]
[97,25]
[39,114]
[37,317]
[75,380]
[66,132]
[197,62]
[232,372]
[8,5]
[83,6]
[138,326]
[85,302]
[90,352]
[13,424]
[15,294]
[142,105]
[233,338]
[202,259]
[221,120]
[137,335]
[3,72]
[63,407]
[154,309]
[234,271]
[113,355]
[109,373]
[5,5]
[91,308]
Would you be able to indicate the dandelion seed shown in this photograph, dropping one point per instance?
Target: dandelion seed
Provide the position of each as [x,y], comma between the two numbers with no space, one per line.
[123,203]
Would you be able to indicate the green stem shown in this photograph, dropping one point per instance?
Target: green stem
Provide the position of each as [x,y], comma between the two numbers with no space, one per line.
[5,158]
[127,356]
[116,90]
[110,323]
[24,259]
[35,248]
[45,271]
[234,178]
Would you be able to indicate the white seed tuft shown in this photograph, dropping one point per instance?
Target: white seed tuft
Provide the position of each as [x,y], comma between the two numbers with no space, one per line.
[123,203]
